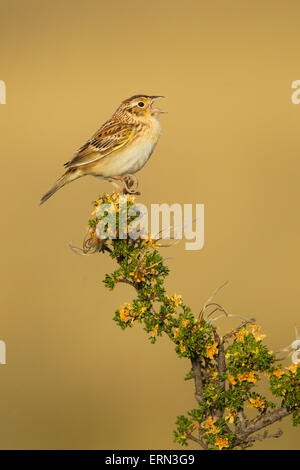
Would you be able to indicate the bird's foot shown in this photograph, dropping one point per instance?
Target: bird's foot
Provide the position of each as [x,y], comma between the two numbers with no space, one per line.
[130,185]
[118,187]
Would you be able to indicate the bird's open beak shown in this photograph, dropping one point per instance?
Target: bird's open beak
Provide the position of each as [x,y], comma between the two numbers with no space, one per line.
[156,110]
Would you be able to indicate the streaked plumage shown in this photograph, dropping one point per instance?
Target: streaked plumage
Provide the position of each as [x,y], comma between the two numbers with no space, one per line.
[120,147]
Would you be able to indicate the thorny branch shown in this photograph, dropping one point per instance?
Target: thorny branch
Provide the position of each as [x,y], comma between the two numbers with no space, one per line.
[233,332]
[262,422]
[221,396]
[245,428]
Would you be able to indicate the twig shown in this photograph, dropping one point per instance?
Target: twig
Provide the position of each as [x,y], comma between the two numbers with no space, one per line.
[262,422]
[265,435]
[218,307]
[126,281]
[201,314]
[199,441]
[246,322]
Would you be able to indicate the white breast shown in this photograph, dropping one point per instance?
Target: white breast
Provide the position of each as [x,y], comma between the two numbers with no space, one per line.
[132,157]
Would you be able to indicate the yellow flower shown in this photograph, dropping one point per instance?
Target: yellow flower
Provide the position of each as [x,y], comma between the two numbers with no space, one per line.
[251,377]
[210,421]
[278,373]
[172,314]
[259,337]
[231,379]
[177,299]
[209,425]
[248,376]
[96,205]
[125,311]
[230,417]
[174,300]
[231,354]
[123,316]
[150,242]
[293,368]
[254,330]
[138,275]
[240,335]
[211,350]
[213,430]
[221,442]
[254,327]
[182,347]
[256,403]
[154,330]
[176,332]
[185,322]
[115,197]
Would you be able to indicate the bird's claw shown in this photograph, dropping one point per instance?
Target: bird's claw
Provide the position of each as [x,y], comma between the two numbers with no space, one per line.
[130,185]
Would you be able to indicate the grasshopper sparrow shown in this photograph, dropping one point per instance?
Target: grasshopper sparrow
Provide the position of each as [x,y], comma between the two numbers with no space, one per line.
[120,148]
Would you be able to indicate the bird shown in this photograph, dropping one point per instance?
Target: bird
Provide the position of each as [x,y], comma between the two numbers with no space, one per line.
[119,148]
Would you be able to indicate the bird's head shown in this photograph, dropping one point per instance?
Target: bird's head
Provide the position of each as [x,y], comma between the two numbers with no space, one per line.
[140,107]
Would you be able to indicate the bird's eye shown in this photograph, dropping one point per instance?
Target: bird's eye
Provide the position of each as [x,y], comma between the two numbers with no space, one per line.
[141,104]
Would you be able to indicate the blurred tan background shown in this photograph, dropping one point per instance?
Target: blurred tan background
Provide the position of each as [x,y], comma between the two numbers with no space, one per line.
[230,140]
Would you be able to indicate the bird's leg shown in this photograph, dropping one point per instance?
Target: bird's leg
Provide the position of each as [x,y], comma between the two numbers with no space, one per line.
[130,184]
[117,186]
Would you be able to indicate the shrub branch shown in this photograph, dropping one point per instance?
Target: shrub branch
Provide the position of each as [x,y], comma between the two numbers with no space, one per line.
[225,369]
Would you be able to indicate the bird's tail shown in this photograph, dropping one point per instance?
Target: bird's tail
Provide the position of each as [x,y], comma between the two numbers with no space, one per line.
[70,175]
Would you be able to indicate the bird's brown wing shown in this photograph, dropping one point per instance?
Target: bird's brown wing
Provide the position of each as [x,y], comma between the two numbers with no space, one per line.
[110,137]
